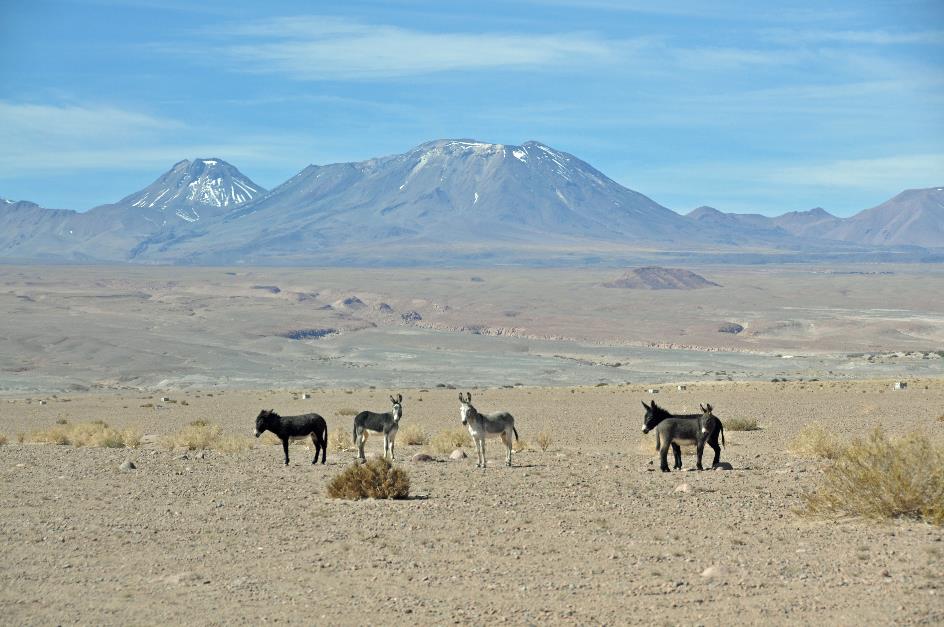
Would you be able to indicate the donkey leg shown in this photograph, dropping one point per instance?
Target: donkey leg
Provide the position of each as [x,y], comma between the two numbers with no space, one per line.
[663,457]
[507,438]
[285,448]
[713,443]
[361,439]
[700,449]
[317,445]
[677,453]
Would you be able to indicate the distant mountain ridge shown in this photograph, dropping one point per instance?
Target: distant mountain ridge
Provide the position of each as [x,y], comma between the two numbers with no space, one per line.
[444,201]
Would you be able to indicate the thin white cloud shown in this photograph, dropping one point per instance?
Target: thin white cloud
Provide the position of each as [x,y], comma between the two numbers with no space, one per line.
[45,138]
[322,48]
[900,171]
[856,37]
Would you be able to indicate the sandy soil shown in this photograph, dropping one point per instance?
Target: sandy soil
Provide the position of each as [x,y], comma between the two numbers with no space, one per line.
[90,328]
[583,533]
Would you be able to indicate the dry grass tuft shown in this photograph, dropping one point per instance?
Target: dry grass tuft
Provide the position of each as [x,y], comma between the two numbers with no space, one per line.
[741,424]
[340,440]
[94,434]
[940,418]
[412,434]
[347,411]
[446,442]
[544,440]
[883,478]
[3,439]
[520,445]
[377,479]
[815,441]
[198,435]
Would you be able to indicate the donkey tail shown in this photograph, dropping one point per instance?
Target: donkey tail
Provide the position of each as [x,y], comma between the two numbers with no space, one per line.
[722,433]
[515,430]
[354,435]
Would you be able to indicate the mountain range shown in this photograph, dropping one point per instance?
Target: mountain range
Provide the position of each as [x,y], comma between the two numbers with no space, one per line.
[445,201]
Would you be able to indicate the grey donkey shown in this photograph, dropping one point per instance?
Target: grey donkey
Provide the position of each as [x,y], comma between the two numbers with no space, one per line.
[672,430]
[386,423]
[500,424]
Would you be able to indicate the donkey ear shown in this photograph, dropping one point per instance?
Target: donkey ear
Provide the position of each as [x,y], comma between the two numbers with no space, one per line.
[399,398]
[709,408]
[644,405]
[392,400]
[702,408]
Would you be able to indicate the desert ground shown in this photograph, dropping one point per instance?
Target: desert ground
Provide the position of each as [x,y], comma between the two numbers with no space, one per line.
[73,329]
[586,532]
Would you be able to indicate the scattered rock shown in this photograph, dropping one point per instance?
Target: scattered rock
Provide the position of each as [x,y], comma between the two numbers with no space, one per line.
[712,572]
[128,465]
[724,466]
[730,327]
[683,487]
[422,457]
[458,454]
[411,316]
[384,308]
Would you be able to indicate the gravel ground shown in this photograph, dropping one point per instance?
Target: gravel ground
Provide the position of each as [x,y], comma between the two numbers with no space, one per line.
[586,532]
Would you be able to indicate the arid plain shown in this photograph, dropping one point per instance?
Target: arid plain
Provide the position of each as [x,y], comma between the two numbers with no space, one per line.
[587,531]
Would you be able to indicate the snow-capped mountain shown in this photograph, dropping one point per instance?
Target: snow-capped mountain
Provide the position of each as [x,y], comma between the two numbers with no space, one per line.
[191,191]
[441,194]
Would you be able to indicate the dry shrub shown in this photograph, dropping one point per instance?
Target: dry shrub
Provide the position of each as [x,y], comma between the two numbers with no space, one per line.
[815,441]
[940,418]
[198,435]
[741,424]
[520,445]
[883,478]
[412,434]
[340,440]
[347,411]
[233,443]
[446,442]
[377,479]
[544,440]
[3,439]
[94,434]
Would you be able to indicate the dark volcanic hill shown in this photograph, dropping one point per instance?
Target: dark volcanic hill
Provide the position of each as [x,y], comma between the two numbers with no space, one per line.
[656,278]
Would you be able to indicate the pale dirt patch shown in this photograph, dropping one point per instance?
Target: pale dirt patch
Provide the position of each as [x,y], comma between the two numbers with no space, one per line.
[587,532]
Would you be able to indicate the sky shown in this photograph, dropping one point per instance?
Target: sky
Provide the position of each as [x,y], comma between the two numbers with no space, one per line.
[744,106]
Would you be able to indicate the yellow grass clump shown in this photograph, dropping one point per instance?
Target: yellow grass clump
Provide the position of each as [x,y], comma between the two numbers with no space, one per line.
[377,479]
[347,411]
[880,477]
[340,440]
[200,434]
[447,441]
[741,424]
[544,440]
[412,434]
[94,434]
[815,441]
[3,439]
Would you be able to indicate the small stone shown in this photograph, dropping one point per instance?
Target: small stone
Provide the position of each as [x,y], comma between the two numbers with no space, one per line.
[683,487]
[128,465]
[422,457]
[458,454]
[712,572]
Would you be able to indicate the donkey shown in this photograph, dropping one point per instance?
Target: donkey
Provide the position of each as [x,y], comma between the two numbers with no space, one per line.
[672,430]
[500,424]
[290,427]
[387,423]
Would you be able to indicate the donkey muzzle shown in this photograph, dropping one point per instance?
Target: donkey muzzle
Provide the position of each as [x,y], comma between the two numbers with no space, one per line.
[645,430]
[258,433]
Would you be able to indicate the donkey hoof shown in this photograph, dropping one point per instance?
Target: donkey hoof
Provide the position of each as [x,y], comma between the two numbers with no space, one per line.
[666,469]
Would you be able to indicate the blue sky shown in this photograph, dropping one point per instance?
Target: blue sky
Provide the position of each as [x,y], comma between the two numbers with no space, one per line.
[750,107]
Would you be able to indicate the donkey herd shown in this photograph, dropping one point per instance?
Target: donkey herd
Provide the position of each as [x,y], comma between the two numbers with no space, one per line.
[672,430]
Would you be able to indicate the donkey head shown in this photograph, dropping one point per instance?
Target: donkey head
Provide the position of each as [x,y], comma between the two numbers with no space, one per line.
[706,415]
[262,420]
[654,415]
[397,407]
[465,408]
